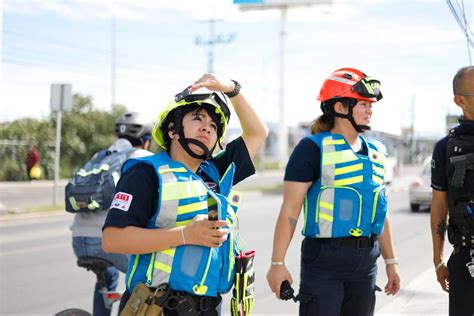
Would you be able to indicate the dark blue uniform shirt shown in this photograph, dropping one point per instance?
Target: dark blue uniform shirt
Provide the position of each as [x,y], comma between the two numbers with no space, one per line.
[439,178]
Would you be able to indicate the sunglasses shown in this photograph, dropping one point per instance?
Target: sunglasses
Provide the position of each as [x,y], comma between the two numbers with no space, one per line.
[368,87]
[190,98]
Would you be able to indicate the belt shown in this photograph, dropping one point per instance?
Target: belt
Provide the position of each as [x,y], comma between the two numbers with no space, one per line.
[179,303]
[354,242]
[206,303]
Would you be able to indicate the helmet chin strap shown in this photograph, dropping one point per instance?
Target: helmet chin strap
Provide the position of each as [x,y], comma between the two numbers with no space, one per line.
[350,117]
[184,142]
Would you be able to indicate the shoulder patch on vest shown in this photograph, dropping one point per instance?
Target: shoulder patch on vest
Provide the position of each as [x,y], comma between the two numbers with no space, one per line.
[122,201]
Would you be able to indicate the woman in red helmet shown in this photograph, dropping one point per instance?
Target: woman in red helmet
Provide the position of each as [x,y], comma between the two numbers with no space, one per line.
[338,176]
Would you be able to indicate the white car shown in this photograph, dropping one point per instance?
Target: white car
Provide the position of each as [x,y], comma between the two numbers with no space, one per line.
[420,191]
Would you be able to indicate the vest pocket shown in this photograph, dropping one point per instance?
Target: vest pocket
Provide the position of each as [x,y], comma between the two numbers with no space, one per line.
[338,212]
[192,254]
[192,264]
[379,210]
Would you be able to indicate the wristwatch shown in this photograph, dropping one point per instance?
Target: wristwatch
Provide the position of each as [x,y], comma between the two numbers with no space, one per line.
[234,92]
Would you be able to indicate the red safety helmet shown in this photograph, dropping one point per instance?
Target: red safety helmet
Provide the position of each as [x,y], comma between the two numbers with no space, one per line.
[350,83]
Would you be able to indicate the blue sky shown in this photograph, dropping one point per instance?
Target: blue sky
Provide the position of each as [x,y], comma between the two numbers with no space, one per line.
[414,47]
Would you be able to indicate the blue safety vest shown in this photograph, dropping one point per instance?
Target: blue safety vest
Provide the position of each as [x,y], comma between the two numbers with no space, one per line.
[183,195]
[349,197]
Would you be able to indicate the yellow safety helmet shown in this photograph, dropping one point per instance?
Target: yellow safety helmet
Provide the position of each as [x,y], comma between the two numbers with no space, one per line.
[216,106]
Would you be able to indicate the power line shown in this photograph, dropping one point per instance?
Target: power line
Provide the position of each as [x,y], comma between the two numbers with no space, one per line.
[460,17]
[72,46]
[21,56]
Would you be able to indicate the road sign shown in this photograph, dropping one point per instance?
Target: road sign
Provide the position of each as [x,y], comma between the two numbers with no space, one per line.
[61,97]
[269,4]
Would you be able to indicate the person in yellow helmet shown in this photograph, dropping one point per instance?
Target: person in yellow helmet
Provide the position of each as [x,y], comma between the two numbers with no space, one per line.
[337,177]
[175,211]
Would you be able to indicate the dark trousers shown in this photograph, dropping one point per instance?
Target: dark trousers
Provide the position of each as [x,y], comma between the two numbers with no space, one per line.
[461,286]
[337,280]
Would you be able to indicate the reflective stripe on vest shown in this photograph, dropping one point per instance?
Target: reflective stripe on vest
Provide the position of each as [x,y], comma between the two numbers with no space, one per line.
[173,192]
[331,158]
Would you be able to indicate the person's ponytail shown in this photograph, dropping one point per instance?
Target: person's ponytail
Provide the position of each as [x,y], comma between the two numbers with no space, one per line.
[323,123]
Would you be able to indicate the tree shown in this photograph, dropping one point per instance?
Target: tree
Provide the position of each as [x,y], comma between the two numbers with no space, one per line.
[20,134]
[85,130]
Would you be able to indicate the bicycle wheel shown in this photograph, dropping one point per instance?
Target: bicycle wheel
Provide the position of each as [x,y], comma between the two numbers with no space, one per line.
[73,312]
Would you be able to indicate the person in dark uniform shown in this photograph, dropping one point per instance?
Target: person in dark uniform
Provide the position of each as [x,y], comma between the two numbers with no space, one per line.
[452,180]
[160,212]
[337,177]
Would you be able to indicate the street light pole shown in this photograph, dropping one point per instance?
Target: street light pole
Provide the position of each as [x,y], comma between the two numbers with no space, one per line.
[283,6]
[282,128]
[112,61]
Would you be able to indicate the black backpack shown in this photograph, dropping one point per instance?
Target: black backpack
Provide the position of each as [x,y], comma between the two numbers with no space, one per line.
[92,187]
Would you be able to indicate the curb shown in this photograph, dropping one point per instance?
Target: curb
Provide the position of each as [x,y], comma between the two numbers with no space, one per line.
[18,216]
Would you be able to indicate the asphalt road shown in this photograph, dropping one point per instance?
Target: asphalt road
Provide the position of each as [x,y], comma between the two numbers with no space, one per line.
[39,275]
[18,197]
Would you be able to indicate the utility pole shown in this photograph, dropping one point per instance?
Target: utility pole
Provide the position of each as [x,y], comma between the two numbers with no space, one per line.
[213,40]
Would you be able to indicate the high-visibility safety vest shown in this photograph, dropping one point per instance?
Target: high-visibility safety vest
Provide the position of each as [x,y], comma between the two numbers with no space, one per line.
[349,197]
[183,195]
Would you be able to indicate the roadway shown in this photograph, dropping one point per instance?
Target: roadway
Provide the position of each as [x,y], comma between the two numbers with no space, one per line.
[21,196]
[39,275]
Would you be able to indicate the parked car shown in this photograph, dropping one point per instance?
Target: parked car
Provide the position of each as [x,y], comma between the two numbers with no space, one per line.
[420,191]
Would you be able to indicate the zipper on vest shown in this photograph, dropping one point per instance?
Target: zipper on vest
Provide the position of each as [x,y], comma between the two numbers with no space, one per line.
[149,271]
[231,252]
[132,273]
[201,288]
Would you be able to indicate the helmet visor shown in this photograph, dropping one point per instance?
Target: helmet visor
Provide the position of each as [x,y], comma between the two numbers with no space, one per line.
[189,98]
[368,87]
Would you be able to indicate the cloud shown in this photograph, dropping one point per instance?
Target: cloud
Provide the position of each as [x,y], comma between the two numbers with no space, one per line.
[122,9]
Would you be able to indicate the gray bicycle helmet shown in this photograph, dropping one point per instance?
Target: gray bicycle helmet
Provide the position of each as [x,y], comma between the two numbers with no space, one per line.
[133,125]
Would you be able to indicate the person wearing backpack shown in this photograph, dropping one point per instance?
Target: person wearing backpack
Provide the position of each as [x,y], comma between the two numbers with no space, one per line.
[90,192]
[162,211]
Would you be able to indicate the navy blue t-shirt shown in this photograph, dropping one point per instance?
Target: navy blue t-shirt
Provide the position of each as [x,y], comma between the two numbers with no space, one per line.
[141,182]
[439,177]
[304,164]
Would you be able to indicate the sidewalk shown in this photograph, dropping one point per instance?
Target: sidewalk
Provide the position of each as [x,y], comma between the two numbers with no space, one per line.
[429,297]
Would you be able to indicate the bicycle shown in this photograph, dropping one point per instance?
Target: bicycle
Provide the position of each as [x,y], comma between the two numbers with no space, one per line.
[98,266]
